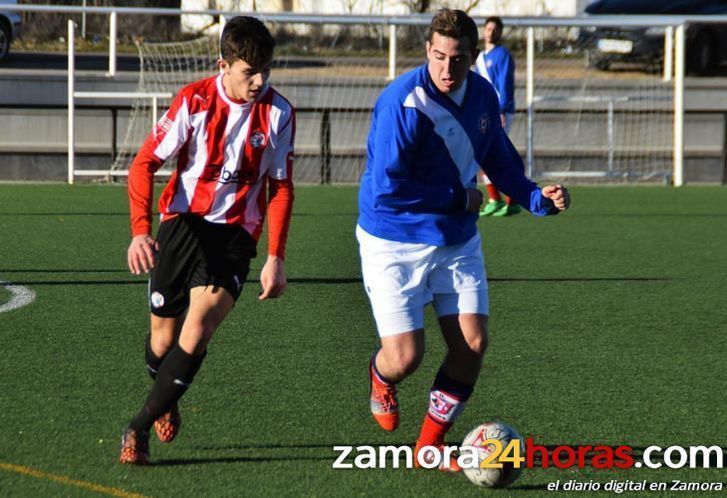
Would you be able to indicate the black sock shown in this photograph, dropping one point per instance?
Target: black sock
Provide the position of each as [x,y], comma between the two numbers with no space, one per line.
[175,374]
[446,383]
[153,362]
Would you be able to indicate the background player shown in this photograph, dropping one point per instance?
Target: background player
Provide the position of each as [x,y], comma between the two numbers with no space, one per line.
[432,131]
[233,135]
[498,67]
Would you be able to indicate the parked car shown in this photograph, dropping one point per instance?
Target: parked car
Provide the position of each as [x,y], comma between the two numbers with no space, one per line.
[10,22]
[706,44]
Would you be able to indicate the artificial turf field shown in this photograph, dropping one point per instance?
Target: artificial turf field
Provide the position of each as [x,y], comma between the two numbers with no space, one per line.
[607,327]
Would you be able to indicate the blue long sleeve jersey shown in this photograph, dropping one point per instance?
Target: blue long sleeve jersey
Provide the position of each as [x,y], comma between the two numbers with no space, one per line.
[498,67]
[424,151]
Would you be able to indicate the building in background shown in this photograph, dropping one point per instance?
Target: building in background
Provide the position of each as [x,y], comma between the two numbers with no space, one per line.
[561,8]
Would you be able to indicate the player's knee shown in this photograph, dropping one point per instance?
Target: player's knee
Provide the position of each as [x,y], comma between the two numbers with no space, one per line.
[477,345]
[163,334]
[161,342]
[404,362]
[479,341]
[195,337]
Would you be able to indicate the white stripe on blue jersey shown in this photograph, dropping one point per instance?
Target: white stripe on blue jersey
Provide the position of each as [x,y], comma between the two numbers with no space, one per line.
[455,138]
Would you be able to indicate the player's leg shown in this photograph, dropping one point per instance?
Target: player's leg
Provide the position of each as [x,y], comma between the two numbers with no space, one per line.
[461,301]
[394,277]
[161,339]
[158,343]
[217,258]
[168,300]
[208,307]
[164,335]
[495,204]
[399,357]
[466,339]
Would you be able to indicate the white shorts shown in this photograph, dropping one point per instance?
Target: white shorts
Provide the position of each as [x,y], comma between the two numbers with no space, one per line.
[402,278]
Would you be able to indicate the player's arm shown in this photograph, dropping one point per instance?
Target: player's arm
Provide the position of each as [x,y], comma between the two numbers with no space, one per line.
[167,136]
[280,209]
[392,157]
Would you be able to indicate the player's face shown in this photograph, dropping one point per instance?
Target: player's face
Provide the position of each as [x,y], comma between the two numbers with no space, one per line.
[449,61]
[243,82]
[492,34]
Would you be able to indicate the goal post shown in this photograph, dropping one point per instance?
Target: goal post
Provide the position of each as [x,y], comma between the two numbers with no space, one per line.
[590,107]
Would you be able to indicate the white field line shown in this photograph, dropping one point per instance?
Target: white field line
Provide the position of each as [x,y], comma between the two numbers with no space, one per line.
[22,296]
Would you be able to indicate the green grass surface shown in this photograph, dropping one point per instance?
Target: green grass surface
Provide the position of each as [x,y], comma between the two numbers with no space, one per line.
[608,327]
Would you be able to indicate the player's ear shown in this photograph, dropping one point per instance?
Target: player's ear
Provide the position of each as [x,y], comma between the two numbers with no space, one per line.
[223,65]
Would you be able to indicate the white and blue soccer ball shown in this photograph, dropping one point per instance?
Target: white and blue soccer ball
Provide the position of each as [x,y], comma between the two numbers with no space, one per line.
[493,477]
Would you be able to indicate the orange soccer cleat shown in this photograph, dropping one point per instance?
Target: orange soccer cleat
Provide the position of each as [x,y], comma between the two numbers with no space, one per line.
[384,404]
[167,426]
[448,462]
[134,448]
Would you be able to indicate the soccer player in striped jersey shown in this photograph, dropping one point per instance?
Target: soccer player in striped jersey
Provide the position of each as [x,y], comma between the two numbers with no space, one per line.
[496,65]
[433,129]
[232,135]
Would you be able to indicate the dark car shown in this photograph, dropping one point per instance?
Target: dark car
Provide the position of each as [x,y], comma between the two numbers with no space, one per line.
[706,44]
[9,27]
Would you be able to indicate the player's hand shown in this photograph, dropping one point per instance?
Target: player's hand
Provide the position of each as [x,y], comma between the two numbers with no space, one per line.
[474,200]
[272,278]
[141,253]
[559,195]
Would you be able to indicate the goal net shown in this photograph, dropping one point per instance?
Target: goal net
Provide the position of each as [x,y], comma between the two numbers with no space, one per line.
[599,113]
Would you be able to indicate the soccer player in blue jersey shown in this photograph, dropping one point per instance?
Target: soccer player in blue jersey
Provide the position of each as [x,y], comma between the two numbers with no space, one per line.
[433,129]
[497,66]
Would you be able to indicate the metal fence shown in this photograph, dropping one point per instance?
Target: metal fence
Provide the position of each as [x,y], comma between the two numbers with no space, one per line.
[531,28]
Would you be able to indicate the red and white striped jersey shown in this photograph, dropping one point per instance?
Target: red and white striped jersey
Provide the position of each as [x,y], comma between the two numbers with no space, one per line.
[227,151]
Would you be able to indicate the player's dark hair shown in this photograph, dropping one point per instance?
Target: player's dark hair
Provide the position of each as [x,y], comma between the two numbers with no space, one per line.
[497,21]
[454,24]
[247,39]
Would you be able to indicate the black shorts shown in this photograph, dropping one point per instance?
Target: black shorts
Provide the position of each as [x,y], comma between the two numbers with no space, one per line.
[194,252]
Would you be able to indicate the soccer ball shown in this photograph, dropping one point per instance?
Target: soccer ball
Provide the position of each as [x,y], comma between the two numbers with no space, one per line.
[494,477]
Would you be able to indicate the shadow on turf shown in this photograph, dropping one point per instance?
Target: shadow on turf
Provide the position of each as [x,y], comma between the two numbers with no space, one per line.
[303,280]
[204,461]
[7,213]
[313,281]
[37,270]
[654,215]
[579,279]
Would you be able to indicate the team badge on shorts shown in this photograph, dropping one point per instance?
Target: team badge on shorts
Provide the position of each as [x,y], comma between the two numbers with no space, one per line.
[157,300]
[257,139]
[484,123]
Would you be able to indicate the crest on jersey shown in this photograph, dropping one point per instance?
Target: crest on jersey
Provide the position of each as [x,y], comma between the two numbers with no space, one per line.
[484,123]
[257,139]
